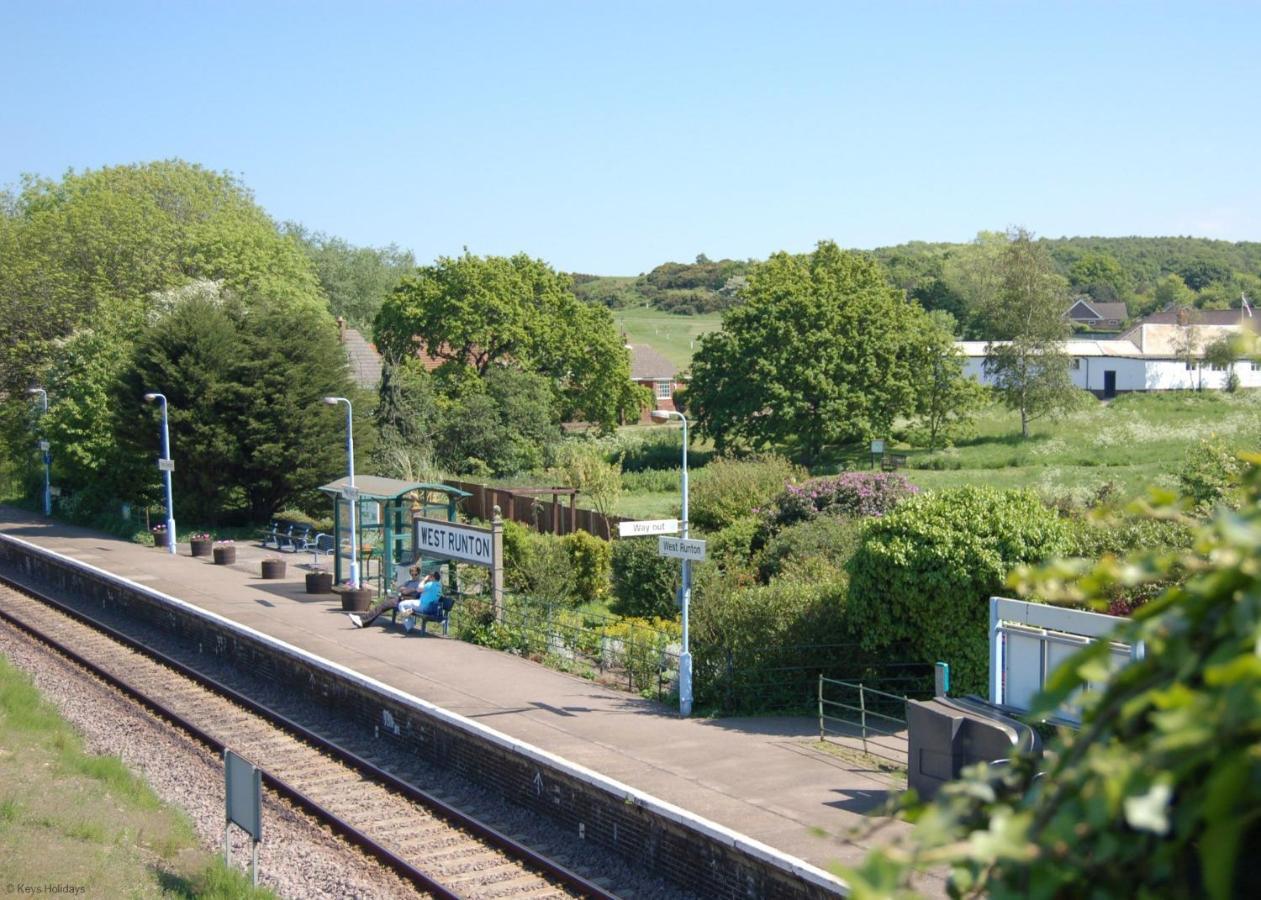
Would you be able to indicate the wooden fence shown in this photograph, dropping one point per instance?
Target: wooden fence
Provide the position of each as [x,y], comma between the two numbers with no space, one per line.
[544,516]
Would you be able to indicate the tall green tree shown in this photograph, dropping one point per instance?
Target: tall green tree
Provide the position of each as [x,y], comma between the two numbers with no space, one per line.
[249,432]
[356,279]
[482,311]
[820,353]
[1026,355]
[946,399]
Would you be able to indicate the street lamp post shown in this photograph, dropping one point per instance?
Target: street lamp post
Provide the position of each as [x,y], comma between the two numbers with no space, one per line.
[685,589]
[43,446]
[352,500]
[167,468]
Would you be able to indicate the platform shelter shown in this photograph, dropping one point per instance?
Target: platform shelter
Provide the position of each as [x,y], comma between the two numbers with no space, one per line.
[384,508]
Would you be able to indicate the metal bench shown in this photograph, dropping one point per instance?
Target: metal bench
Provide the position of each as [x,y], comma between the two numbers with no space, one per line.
[445,603]
[277,533]
[891,461]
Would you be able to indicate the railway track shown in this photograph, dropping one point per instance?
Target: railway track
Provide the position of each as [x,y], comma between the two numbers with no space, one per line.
[439,848]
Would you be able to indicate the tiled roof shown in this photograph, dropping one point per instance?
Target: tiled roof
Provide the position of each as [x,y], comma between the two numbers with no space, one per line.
[649,365]
[365,361]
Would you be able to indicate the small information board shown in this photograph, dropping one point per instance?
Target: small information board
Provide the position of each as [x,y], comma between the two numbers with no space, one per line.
[243,794]
[43,445]
[681,548]
[166,465]
[648,527]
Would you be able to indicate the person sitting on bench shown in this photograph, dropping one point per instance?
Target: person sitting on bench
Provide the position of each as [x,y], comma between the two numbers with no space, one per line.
[408,595]
[428,604]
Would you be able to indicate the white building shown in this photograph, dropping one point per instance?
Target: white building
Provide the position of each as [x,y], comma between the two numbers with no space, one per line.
[1149,357]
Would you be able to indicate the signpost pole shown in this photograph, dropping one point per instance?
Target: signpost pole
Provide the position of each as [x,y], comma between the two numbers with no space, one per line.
[497,565]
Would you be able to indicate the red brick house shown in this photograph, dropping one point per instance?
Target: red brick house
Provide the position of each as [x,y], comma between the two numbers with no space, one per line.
[652,370]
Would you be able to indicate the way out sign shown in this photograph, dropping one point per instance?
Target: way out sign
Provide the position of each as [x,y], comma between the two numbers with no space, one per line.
[647,527]
[681,548]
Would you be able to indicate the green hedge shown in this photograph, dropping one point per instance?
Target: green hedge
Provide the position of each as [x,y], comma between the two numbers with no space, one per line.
[921,580]
[644,583]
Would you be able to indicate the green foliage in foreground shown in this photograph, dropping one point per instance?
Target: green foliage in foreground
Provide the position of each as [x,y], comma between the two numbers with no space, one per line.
[102,827]
[924,573]
[732,489]
[1159,793]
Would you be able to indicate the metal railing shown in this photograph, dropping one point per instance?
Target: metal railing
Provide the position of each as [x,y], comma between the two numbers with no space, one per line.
[849,709]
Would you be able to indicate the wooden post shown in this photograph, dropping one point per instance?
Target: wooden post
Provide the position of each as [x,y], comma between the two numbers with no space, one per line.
[497,565]
[573,512]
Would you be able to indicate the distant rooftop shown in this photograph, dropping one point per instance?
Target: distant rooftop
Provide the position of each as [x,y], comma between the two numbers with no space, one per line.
[649,365]
[364,360]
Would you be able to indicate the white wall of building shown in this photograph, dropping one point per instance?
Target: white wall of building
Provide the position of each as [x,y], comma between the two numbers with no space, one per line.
[1089,372]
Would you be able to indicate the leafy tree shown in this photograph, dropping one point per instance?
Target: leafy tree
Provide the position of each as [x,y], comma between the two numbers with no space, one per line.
[248,430]
[1157,794]
[406,418]
[356,279]
[502,424]
[821,353]
[480,312]
[974,273]
[1199,273]
[1029,367]
[947,399]
[1172,291]
[585,469]
[86,260]
[1100,276]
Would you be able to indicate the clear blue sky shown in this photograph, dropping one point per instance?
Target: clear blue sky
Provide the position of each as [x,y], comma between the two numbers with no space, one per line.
[608,137]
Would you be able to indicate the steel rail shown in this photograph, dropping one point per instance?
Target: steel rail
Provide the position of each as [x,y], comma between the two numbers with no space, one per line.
[451,814]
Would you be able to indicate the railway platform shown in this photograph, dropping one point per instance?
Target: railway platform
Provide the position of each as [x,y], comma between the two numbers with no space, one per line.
[762,777]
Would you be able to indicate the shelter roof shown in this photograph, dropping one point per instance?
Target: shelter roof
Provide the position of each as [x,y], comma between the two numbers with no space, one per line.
[379,488]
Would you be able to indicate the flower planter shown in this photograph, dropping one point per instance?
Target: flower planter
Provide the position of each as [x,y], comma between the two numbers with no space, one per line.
[225,556]
[273,568]
[159,539]
[202,547]
[357,599]
[319,582]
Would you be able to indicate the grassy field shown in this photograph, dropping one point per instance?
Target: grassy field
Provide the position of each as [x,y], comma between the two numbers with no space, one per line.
[74,823]
[1135,441]
[671,336]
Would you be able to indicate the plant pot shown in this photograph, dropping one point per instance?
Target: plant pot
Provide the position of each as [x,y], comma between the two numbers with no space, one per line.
[159,539]
[225,556]
[357,599]
[202,547]
[273,568]
[319,582]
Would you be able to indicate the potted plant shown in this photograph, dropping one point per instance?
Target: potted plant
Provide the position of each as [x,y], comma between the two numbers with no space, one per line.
[319,581]
[159,536]
[224,553]
[201,543]
[273,567]
[356,599]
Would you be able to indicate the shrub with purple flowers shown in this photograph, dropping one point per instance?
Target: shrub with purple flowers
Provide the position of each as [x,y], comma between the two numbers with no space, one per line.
[849,494]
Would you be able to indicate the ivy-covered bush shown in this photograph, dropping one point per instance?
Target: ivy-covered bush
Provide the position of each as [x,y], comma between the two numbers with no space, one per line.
[644,584]
[748,642]
[732,547]
[922,577]
[1157,794]
[731,489]
[829,542]
[590,566]
[1210,473]
[848,494]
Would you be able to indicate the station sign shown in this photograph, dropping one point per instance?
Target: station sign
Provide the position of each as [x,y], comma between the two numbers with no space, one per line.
[166,465]
[648,527]
[450,541]
[681,548]
[350,494]
[43,445]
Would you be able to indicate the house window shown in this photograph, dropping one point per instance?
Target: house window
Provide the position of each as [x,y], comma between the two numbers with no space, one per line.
[1190,367]
[1255,365]
[1076,364]
[664,391]
[1216,367]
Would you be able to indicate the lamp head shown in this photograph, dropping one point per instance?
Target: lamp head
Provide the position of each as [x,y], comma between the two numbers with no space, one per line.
[149,398]
[660,415]
[331,401]
[35,390]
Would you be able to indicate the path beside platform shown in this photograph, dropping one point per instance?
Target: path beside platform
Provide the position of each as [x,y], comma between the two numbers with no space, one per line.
[758,776]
